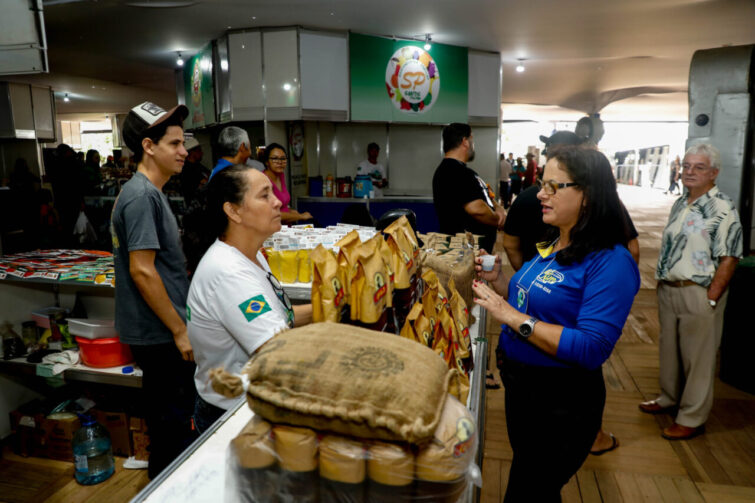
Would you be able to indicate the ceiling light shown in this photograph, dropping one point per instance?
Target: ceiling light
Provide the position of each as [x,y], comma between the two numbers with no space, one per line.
[520,67]
[286,86]
[66,98]
[179,60]
[428,45]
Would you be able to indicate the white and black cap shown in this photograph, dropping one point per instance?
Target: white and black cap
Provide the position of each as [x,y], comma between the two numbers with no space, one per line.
[144,117]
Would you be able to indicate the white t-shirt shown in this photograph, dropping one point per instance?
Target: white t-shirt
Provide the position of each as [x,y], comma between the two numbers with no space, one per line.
[376,173]
[231,311]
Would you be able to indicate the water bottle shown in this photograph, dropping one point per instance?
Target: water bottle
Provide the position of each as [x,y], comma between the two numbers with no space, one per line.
[92,452]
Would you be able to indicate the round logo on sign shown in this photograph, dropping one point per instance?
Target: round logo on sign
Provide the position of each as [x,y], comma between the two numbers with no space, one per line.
[412,80]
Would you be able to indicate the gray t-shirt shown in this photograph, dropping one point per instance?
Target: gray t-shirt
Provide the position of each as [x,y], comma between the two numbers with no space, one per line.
[142,220]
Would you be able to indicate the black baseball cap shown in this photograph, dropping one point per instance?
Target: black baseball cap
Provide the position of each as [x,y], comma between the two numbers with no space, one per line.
[560,138]
[144,117]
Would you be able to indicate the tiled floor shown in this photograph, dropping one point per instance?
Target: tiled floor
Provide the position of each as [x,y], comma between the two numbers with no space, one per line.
[716,467]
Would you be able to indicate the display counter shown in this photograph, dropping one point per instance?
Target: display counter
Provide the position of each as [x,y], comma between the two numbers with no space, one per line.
[330,210]
[79,372]
[199,474]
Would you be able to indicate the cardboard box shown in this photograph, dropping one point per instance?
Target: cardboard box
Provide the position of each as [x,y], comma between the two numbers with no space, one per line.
[141,442]
[58,437]
[117,424]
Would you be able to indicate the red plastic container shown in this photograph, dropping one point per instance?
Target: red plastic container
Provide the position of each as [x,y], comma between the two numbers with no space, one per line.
[102,353]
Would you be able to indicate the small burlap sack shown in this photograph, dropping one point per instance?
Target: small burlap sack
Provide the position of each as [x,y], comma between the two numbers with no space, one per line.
[456,264]
[349,380]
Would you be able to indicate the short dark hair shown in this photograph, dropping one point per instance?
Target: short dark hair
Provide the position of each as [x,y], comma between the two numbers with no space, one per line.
[602,222]
[270,148]
[373,145]
[156,133]
[454,134]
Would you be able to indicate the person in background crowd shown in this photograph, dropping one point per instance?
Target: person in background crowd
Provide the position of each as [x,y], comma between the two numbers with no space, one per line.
[49,221]
[234,146]
[253,161]
[562,314]
[700,248]
[460,196]
[65,175]
[91,176]
[373,169]
[511,160]
[235,303]
[109,162]
[504,174]
[275,169]
[517,175]
[24,187]
[151,284]
[80,157]
[194,173]
[674,170]
[530,174]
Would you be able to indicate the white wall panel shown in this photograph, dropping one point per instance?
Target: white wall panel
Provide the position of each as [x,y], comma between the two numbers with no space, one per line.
[245,62]
[281,68]
[324,70]
[415,153]
[484,84]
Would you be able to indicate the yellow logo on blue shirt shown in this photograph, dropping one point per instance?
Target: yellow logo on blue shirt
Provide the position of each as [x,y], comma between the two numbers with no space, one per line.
[254,307]
[550,277]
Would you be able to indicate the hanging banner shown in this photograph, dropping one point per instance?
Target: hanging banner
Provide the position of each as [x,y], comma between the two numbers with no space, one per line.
[200,97]
[400,81]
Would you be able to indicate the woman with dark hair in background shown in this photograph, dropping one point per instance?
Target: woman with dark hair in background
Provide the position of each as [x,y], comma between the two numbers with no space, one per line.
[275,162]
[562,314]
[235,304]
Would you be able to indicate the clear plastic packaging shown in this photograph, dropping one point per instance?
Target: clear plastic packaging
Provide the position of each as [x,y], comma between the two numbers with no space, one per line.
[91,328]
[279,463]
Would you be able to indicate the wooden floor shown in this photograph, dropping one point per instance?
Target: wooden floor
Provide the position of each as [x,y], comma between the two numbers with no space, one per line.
[717,467]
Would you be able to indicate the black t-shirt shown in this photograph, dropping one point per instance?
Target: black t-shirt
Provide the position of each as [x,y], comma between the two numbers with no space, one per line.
[525,221]
[455,185]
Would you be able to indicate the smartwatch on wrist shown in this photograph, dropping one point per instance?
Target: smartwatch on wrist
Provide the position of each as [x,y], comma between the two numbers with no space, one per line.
[526,328]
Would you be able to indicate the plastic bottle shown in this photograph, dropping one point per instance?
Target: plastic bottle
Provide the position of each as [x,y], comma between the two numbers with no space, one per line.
[92,452]
[329,185]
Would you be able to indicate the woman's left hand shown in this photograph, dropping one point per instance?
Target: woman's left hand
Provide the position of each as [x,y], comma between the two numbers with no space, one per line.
[496,305]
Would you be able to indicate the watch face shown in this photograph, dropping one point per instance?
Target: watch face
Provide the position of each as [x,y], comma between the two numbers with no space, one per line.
[525,329]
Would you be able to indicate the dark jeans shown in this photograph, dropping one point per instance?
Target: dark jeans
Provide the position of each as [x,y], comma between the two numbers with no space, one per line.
[205,414]
[552,417]
[505,195]
[168,386]
[516,187]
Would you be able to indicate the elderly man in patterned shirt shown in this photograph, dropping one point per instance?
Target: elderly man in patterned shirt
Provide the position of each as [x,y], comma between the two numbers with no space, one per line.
[700,248]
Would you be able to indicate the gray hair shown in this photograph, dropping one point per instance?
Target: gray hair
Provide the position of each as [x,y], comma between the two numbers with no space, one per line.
[231,139]
[709,151]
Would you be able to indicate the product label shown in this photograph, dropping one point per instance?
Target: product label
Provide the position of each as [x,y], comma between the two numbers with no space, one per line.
[80,461]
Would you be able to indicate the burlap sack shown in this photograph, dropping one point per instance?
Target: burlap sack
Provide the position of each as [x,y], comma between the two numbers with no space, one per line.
[457,264]
[349,380]
[450,452]
[342,459]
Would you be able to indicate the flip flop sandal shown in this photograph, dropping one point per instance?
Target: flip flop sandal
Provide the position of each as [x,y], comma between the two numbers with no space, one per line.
[490,382]
[614,445]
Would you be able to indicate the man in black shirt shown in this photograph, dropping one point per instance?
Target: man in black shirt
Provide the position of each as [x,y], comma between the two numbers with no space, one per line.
[461,198]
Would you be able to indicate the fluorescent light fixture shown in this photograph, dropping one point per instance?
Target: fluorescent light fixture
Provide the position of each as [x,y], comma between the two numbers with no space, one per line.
[179,60]
[428,45]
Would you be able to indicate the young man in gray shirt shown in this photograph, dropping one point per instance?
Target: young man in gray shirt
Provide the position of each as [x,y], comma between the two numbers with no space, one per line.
[151,284]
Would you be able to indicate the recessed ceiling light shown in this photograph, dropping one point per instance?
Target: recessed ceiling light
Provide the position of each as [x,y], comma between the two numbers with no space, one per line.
[286,86]
[65,98]
[428,45]
[520,67]
[179,60]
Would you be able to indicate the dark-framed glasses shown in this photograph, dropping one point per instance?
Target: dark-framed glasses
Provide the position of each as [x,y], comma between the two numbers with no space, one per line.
[283,298]
[551,187]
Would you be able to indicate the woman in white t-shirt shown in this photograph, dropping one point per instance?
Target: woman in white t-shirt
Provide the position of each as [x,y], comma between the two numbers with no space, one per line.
[235,304]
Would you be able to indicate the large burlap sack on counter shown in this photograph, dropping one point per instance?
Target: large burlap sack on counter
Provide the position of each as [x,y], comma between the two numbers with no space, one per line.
[349,380]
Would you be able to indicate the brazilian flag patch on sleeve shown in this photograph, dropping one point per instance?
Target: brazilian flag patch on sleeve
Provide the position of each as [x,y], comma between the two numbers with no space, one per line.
[254,307]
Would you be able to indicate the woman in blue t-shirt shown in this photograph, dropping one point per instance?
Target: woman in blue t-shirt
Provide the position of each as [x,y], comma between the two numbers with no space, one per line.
[561,316]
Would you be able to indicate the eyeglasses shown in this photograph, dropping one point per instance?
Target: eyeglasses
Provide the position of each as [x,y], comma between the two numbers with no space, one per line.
[283,298]
[278,159]
[551,187]
[697,168]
